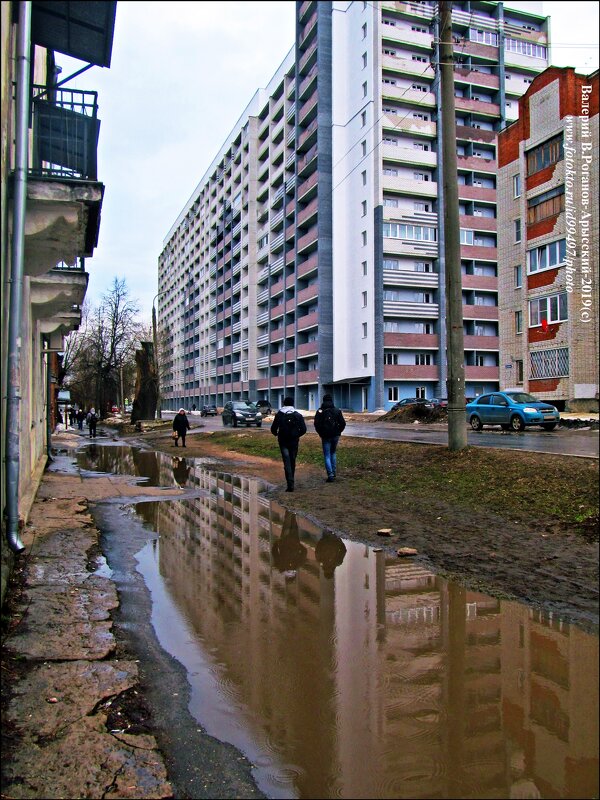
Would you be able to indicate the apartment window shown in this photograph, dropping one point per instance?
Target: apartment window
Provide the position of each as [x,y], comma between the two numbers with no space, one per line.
[389,82]
[391,263]
[365,89]
[519,371]
[364,60]
[391,202]
[552,308]
[391,359]
[390,171]
[420,233]
[364,330]
[518,322]
[364,267]
[423,266]
[364,31]
[420,146]
[423,359]
[363,206]
[549,363]
[517,230]
[263,242]
[484,37]
[420,87]
[420,393]
[418,29]
[546,256]
[364,238]
[518,276]
[388,52]
[545,205]
[364,148]
[421,176]
[544,155]
[422,59]
[419,206]
[516,186]
[524,47]
[466,236]
[363,119]
[393,394]
[365,360]
[364,178]
[364,299]
[419,115]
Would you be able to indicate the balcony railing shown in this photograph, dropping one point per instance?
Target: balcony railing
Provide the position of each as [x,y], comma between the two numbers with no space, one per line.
[65,133]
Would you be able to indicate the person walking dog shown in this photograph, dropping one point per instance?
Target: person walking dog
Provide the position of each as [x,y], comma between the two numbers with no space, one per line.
[288,425]
[329,424]
[181,426]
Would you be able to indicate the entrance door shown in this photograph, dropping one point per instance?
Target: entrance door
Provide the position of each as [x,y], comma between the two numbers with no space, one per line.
[365,399]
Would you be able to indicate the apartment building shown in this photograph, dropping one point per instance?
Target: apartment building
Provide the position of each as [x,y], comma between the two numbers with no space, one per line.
[310,257]
[548,242]
[50,216]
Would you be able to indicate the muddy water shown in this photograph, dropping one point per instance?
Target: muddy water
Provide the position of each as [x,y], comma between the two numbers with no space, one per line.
[342,671]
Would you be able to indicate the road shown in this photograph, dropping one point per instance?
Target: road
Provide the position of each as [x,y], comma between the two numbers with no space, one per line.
[565,441]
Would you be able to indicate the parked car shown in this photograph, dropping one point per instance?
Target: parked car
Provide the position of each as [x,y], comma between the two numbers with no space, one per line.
[241,412]
[264,406]
[442,402]
[512,411]
[412,401]
[114,409]
[209,410]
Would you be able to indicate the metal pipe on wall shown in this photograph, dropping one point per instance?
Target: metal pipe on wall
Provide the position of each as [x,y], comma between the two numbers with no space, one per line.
[16,279]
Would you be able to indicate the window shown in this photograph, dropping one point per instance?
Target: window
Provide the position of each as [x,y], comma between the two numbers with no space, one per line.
[364,330]
[393,394]
[365,360]
[364,299]
[364,60]
[364,267]
[419,206]
[524,47]
[420,87]
[420,393]
[519,371]
[391,263]
[363,207]
[552,308]
[518,271]
[363,119]
[421,146]
[545,154]
[422,59]
[391,202]
[364,31]
[484,37]
[419,115]
[418,29]
[516,186]
[365,89]
[545,205]
[363,146]
[423,266]
[546,256]
[466,236]
[364,178]
[421,176]
[517,231]
[518,322]
[364,238]
[422,359]
[549,363]
[390,171]
[394,230]
[390,358]
[263,242]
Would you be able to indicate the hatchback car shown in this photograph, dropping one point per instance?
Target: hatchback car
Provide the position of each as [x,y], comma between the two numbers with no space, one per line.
[241,412]
[512,411]
[441,402]
[264,407]
[209,410]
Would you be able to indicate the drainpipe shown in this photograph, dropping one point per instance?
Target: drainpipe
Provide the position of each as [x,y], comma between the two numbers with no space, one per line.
[16,286]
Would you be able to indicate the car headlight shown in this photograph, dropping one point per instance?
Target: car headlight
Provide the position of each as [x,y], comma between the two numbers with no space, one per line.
[239,414]
[529,410]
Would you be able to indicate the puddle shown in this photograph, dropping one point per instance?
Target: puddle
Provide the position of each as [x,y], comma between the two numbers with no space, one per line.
[340,671]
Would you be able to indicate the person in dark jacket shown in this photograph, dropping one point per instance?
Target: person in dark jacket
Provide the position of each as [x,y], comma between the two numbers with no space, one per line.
[288,425]
[181,426]
[288,552]
[329,424]
[330,552]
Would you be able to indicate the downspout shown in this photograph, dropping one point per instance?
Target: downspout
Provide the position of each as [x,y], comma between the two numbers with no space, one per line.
[16,285]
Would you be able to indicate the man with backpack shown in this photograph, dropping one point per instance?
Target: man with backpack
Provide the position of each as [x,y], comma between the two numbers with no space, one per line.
[329,424]
[92,419]
[288,426]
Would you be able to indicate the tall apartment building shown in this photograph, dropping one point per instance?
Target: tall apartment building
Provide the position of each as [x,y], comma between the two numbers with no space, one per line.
[310,257]
[548,242]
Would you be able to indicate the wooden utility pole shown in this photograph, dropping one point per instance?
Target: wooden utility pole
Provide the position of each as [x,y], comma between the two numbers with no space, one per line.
[457,429]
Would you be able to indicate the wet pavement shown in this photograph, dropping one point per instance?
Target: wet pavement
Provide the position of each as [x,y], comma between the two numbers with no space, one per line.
[327,668]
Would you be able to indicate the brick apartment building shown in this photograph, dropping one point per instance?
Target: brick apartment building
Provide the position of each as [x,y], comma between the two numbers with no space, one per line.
[548,241]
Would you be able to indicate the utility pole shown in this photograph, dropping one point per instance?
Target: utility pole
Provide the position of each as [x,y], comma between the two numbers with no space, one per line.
[457,430]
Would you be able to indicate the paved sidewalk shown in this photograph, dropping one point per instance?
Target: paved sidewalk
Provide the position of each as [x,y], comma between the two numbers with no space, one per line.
[59,738]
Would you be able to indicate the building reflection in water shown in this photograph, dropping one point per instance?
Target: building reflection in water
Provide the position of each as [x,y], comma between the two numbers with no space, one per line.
[369,676]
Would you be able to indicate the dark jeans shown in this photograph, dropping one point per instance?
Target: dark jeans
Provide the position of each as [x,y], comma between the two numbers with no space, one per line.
[289,451]
[182,439]
[329,454]
[93,429]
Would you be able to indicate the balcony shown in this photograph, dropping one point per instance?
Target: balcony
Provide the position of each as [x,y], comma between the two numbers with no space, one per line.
[309,376]
[481,342]
[480,312]
[58,291]
[411,372]
[482,373]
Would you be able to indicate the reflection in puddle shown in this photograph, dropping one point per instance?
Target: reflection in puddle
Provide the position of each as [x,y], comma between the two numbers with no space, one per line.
[341,671]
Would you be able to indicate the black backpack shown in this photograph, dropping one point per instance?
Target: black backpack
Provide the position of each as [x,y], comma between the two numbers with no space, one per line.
[290,426]
[329,425]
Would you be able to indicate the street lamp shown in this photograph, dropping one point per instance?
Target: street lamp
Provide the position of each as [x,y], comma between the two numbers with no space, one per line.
[155,345]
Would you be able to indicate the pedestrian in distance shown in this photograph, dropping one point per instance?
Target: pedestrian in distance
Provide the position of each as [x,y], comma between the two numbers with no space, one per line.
[288,425]
[329,424]
[80,418]
[92,420]
[181,426]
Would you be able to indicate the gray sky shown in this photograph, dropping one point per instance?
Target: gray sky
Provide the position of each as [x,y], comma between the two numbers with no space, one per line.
[181,75]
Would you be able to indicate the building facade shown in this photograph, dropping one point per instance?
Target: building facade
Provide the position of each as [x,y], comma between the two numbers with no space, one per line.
[548,242]
[50,215]
[310,257]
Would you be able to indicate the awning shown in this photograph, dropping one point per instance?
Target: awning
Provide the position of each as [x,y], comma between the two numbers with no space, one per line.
[83,29]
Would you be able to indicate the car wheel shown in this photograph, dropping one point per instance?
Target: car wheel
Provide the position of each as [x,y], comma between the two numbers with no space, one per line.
[505,426]
[235,422]
[516,423]
[549,426]
[475,423]
[259,424]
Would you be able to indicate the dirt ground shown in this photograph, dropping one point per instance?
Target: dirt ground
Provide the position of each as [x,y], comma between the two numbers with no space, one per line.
[537,561]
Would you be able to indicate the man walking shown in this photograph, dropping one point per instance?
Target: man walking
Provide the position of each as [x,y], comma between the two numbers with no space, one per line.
[288,426]
[329,424]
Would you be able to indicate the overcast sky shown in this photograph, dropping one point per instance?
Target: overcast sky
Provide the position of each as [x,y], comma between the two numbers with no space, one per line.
[181,75]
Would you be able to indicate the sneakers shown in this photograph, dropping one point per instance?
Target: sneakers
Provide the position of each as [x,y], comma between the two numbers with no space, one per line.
[330,479]
[290,487]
